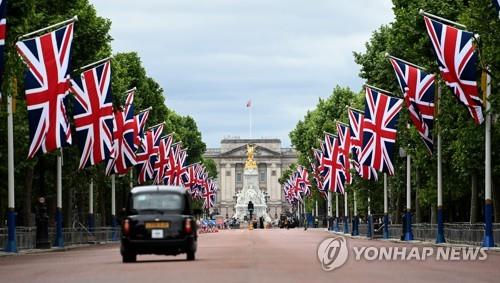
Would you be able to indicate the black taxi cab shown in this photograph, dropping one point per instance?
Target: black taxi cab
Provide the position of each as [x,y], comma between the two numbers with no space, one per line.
[158,220]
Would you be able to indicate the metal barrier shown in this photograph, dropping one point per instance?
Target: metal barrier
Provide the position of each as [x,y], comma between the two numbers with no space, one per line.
[26,236]
[455,233]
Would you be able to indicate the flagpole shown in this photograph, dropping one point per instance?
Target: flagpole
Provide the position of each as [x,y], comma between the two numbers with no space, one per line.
[250,119]
[113,205]
[131,184]
[330,210]
[386,209]
[346,214]
[409,233]
[91,206]
[336,229]
[422,12]
[440,226]
[488,207]
[59,242]
[369,221]
[74,19]
[355,230]
[11,245]
[102,61]
[316,208]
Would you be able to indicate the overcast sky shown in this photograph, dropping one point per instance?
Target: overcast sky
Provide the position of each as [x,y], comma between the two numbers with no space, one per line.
[212,56]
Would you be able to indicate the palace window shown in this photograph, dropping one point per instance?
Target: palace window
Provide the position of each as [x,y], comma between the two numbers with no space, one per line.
[262,172]
[239,173]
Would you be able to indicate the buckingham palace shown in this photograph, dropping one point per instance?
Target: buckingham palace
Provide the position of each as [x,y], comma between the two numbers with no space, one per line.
[271,159]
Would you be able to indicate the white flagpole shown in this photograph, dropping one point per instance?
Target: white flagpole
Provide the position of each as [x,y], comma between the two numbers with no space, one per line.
[11,245]
[131,184]
[330,210]
[488,208]
[316,209]
[346,214]
[336,228]
[59,236]
[440,229]
[386,209]
[113,194]
[250,118]
[409,233]
[91,206]
[355,204]
[329,202]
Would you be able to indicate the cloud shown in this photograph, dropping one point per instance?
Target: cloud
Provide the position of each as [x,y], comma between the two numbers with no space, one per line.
[211,56]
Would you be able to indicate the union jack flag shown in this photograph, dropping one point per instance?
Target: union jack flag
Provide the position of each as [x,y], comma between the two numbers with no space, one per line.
[380,130]
[170,177]
[315,165]
[344,138]
[209,194]
[290,192]
[148,155]
[333,170]
[3,31]
[356,131]
[93,114]
[162,161]
[303,180]
[190,178]
[317,179]
[457,61]
[140,124]
[124,126]
[418,89]
[296,185]
[46,86]
[201,179]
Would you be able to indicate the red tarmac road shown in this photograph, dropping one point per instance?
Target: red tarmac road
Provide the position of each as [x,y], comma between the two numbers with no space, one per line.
[240,256]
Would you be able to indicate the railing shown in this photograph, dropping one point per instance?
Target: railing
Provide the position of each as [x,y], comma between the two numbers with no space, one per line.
[26,236]
[454,233]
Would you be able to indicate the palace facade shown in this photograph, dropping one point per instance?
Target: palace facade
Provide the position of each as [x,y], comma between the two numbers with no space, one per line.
[271,160]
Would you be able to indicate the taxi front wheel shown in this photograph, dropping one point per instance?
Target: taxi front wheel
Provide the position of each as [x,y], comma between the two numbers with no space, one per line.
[127,257]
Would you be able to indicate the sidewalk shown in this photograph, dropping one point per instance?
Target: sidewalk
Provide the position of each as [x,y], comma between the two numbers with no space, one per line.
[54,249]
[415,242]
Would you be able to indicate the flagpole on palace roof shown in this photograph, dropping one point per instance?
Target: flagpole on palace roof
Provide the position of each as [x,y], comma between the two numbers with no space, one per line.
[74,19]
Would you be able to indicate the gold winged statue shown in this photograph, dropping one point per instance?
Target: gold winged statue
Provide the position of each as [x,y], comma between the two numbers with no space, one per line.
[250,163]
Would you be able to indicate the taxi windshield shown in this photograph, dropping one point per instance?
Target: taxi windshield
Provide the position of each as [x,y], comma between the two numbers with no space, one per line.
[157,201]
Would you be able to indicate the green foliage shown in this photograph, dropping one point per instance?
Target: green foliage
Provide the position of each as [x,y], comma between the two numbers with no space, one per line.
[463,141]
[92,41]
